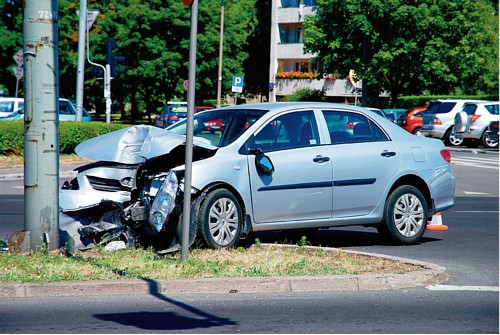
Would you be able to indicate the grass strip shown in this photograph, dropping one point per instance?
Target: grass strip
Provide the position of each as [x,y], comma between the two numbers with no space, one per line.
[255,261]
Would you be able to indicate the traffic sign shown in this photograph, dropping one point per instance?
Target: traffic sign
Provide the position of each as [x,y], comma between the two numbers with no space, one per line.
[237,84]
[18,72]
[185,84]
[18,57]
[91,17]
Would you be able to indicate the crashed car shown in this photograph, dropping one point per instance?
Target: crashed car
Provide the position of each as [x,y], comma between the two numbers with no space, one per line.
[275,166]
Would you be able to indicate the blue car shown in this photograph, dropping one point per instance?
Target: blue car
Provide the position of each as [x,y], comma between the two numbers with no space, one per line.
[274,166]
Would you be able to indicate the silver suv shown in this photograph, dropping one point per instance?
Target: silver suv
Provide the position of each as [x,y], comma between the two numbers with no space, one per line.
[439,120]
[473,121]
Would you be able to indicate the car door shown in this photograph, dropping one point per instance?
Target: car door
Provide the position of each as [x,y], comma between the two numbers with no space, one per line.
[66,111]
[364,161]
[301,186]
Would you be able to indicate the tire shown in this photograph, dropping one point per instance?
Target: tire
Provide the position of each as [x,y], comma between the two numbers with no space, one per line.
[487,141]
[450,138]
[405,216]
[416,131]
[220,219]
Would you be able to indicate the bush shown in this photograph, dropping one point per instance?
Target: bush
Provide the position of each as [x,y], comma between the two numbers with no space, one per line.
[70,135]
[420,100]
[305,94]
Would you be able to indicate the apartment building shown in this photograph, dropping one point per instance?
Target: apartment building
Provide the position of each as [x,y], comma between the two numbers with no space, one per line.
[290,67]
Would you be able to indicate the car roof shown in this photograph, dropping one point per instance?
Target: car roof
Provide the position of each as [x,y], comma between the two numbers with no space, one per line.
[277,107]
[10,98]
[482,102]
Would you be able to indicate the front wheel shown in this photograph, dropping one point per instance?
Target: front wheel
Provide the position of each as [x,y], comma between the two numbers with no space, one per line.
[405,216]
[417,132]
[220,219]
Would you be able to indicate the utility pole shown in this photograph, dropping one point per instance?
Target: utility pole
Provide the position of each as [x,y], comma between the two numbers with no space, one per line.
[221,43]
[82,30]
[41,126]
[186,209]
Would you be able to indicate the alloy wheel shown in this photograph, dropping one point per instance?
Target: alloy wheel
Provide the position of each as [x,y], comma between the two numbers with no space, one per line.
[223,221]
[408,215]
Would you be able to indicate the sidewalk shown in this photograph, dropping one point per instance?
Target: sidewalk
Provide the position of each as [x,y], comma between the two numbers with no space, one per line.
[66,170]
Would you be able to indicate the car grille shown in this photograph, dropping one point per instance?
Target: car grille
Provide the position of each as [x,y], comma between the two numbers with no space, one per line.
[106,185]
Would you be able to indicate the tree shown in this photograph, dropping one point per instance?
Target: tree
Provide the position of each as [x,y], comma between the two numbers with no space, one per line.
[440,47]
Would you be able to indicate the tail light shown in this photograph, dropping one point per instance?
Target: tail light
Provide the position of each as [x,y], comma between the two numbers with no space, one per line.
[436,121]
[349,125]
[174,117]
[474,118]
[446,155]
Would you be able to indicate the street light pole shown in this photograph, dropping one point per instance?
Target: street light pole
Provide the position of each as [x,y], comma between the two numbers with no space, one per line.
[221,43]
[82,30]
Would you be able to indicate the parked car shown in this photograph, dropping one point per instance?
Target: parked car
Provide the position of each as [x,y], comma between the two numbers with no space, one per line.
[9,105]
[276,166]
[67,112]
[397,112]
[439,118]
[411,120]
[175,112]
[473,121]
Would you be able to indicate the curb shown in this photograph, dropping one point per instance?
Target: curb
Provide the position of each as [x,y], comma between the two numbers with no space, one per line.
[20,175]
[431,274]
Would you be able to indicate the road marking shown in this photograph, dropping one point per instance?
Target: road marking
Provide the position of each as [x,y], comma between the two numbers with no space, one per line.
[475,193]
[462,288]
[486,163]
[476,211]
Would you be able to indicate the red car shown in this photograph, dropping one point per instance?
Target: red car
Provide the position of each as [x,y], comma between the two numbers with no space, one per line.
[411,120]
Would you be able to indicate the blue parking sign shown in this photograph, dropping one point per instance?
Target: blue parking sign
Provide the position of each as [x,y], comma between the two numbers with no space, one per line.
[237,84]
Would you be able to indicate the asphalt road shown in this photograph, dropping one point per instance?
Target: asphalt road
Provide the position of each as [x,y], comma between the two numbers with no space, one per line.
[468,303]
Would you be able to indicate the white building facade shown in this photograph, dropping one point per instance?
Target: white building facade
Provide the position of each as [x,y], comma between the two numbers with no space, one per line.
[290,67]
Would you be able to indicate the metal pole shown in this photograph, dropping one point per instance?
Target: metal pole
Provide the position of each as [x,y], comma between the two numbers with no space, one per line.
[107,92]
[41,123]
[17,87]
[221,43]
[186,210]
[80,72]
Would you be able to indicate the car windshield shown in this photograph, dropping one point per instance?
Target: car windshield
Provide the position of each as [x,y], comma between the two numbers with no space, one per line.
[220,127]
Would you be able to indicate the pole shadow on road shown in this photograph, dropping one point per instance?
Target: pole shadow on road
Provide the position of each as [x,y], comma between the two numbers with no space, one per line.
[167,320]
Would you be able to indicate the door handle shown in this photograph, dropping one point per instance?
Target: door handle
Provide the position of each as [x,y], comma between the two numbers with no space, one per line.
[387,153]
[320,159]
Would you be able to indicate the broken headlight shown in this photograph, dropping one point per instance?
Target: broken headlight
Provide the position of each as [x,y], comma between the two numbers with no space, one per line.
[164,202]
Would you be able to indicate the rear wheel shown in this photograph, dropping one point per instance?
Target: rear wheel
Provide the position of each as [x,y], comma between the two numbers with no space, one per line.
[488,142]
[405,216]
[416,131]
[453,139]
[220,219]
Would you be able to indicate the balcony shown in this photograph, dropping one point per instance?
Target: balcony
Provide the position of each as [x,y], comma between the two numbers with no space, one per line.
[291,15]
[291,51]
[337,88]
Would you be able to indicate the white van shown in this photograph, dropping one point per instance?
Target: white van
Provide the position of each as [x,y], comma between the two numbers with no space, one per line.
[9,105]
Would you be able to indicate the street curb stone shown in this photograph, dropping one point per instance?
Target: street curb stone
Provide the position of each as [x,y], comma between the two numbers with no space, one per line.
[430,274]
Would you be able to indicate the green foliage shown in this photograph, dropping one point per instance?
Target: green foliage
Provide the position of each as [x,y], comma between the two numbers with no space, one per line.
[70,135]
[11,137]
[305,94]
[442,47]
[153,36]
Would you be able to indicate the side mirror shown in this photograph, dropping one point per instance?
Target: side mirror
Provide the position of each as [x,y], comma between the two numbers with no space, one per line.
[461,122]
[262,162]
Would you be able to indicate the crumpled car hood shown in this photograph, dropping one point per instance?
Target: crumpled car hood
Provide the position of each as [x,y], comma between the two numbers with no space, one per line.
[133,145]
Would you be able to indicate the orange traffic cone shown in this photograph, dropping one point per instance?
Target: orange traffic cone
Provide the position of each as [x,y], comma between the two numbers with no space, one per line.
[437,223]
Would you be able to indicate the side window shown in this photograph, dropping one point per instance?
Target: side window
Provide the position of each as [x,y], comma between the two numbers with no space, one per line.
[288,131]
[65,109]
[347,127]
[493,109]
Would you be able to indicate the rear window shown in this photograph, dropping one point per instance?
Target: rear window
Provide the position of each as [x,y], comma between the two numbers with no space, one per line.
[493,109]
[439,107]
